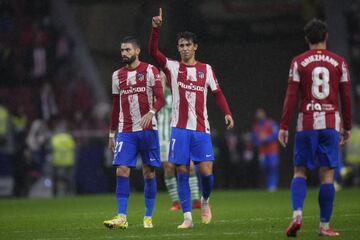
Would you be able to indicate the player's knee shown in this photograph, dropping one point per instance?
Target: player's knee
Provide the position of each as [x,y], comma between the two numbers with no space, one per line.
[169,172]
[148,172]
[300,172]
[205,168]
[169,168]
[326,175]
[122,171]
[182,169]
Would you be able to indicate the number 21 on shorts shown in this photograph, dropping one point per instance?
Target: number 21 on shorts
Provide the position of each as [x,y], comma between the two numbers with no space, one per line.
[118,147]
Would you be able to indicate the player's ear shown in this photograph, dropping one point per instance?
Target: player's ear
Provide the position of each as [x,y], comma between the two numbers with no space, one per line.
[195,46]
[307,40]
[326,36]
[137,50]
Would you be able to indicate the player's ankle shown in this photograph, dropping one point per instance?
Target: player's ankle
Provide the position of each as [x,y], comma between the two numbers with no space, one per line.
[324,225]
[187,216]
[205,201]
[297,215]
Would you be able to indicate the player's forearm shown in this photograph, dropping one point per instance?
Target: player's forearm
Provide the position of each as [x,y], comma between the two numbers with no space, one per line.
[289,105]
[154,47]
[222,103]
[114,121]
[345,105]
[159,98]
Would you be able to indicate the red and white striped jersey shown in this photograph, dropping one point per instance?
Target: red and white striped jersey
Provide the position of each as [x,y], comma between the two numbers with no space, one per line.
[320,76]
[189,86]
[135,89]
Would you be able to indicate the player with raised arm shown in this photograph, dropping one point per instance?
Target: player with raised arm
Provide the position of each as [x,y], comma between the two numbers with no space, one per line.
[137,95]
[190,80]
[319,76]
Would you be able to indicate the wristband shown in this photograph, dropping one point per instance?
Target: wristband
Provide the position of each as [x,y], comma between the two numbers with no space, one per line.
[111,135]
[152,111]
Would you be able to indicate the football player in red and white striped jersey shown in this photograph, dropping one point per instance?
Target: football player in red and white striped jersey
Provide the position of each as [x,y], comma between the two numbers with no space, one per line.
[137,95]
[190,81]
[320,77]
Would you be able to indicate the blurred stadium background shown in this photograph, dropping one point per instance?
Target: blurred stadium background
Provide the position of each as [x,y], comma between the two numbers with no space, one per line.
[57,58]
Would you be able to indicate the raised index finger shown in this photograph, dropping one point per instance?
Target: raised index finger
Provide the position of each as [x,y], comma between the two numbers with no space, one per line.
[160,12]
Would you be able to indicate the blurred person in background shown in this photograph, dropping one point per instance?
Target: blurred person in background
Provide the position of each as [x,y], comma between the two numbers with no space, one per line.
[249,157]
[320,77]
[264,136]
[137,95]
[7,149]
[234,170]
[62,148]
[164,120]
[36,142]
[47,102]
[21,162]
[352,157]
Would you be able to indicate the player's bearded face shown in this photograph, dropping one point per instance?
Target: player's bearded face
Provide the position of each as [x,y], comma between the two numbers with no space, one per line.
[128,53]
[128,60]
[186,49]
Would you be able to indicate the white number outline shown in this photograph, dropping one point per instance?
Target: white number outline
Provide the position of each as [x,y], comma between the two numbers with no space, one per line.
[323,82]
[118,147]
[173,140]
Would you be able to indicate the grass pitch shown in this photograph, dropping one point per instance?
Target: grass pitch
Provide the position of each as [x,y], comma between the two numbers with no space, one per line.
[236,215]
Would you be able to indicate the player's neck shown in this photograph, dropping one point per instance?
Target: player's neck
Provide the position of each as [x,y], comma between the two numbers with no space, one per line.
[318,46]
[133,65]
[189,62]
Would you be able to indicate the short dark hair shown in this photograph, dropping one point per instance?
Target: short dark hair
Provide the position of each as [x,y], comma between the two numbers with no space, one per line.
[190,36]
[131,39]
[315,31]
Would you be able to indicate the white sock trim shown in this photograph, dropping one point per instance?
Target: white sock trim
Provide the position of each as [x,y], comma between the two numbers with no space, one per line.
[297,213]
[188,216]
[325,225]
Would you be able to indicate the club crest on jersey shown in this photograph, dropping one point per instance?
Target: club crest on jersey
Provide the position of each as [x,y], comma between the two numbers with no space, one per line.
[140,76]
[201,74]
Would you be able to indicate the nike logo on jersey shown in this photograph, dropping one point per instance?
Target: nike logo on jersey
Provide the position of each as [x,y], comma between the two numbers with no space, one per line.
[152,159]
[208,155]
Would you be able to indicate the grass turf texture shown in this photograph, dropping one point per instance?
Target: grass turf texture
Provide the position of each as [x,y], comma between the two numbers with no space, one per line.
[236,215]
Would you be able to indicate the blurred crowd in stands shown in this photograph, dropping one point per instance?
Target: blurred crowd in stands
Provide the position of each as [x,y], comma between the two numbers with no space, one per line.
[42,93]
[353,22]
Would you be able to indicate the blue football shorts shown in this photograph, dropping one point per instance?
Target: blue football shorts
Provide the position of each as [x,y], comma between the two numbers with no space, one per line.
[129,144]
[188,144]
[317,148]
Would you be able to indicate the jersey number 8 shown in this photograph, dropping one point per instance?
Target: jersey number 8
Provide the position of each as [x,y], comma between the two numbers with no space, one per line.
[320,77]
